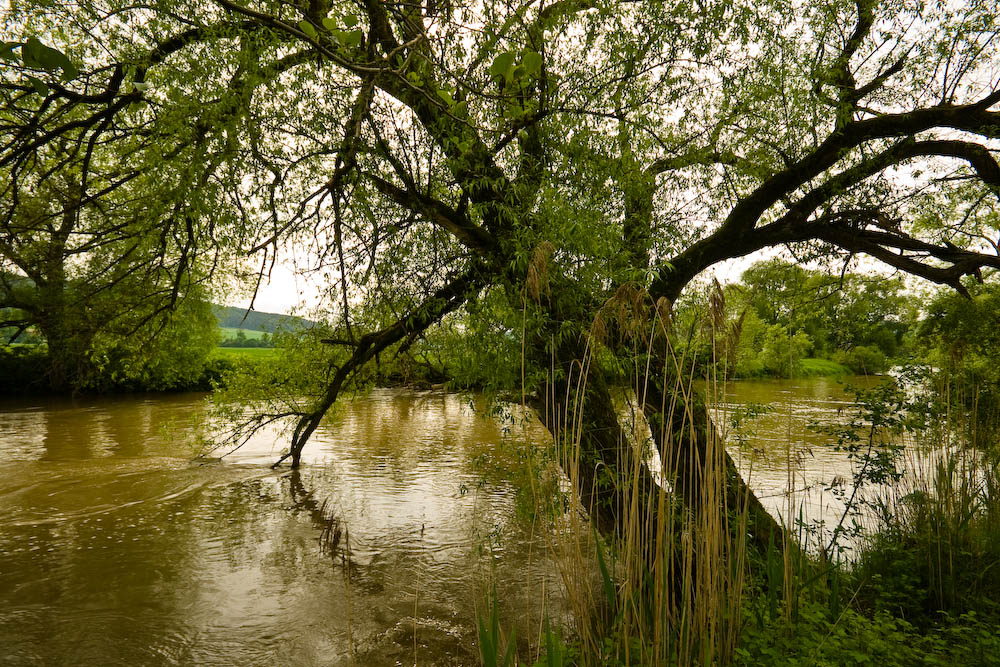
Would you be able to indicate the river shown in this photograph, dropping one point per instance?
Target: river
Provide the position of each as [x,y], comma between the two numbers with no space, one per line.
[791,465]
[117,549]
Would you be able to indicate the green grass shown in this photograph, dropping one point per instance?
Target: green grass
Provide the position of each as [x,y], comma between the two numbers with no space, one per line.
[821,368]
[234,353]
[250,334]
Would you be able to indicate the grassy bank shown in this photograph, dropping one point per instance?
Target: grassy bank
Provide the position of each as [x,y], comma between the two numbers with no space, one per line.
[821,368]
[922,587]
[244,353]
[803,368]
[23,371]
[249,334]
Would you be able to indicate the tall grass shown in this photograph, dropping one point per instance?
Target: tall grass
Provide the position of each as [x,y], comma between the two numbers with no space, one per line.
[681,584]
[921,584]
[934,545]
[668,586]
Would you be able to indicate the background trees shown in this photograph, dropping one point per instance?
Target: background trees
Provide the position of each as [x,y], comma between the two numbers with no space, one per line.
[857,319]
[111,208]
[958,339]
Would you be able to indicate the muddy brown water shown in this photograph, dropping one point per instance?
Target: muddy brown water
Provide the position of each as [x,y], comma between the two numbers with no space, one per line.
[791,465]
[117,549]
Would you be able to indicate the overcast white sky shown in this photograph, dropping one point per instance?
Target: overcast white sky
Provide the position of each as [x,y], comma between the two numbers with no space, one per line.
[285,292]
[288,293]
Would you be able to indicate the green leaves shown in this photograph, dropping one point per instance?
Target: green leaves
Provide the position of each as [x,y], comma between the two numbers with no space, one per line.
[37,56]
[531,61]
[7,50]
[446,96]
[309,29]
[350,38]
[490,638]
[503,65]
[457,108]
[347,38]
[519,74]
[39,86]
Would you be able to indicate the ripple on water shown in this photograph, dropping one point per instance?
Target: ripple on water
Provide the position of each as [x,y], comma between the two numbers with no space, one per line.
[127,554]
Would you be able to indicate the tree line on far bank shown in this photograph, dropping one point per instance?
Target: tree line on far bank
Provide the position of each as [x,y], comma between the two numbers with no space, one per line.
[781,316]
[778,320]
[177,353]
[781,320]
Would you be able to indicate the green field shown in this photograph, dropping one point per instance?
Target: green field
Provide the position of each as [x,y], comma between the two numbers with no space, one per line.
[234,353]
[821,367]
[249,334]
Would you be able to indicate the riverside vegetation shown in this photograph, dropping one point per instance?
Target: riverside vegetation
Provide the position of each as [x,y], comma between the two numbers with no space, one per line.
[906,577]
[786,321]
[918,586]
[527,195]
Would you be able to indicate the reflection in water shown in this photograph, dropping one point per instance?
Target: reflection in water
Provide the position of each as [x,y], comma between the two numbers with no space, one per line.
[330,526]
[116,549]
[789,465]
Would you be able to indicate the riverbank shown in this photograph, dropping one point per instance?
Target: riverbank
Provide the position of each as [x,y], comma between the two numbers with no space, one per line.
[22,371]
[23,368]
[803,368]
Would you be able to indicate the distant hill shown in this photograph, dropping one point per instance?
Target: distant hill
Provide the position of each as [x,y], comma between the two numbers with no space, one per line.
[255,320]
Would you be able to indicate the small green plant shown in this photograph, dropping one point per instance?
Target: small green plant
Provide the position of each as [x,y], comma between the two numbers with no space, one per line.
[490,639]
[871,439]
[557,654]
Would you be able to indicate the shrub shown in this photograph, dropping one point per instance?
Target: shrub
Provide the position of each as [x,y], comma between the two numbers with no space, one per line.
[22,368]
[863,359]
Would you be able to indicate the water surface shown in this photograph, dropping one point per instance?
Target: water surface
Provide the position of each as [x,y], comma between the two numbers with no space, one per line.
[117,549]
[792,466]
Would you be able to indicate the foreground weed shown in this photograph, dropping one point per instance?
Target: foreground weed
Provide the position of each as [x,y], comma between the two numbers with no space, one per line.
[490,639]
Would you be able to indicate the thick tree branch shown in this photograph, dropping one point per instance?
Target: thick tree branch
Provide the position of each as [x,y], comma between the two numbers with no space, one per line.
[445,300]
[467,232]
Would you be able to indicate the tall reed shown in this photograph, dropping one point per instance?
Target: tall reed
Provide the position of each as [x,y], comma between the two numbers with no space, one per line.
[933,546]
[668,585]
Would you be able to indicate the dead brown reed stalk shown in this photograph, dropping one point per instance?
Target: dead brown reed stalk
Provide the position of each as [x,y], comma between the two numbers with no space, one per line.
[667,589]
[537,281]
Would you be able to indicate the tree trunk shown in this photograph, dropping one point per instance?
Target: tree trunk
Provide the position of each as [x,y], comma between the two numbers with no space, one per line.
[612,475]
[612,478]
[692,452]
[68,366]
[68,337]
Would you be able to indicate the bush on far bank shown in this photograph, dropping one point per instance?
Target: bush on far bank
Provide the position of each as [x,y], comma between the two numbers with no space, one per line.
[23,371]
[862,360]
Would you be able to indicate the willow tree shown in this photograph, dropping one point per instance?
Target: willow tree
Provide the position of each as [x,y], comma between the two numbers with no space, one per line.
[108,210]
[572,159]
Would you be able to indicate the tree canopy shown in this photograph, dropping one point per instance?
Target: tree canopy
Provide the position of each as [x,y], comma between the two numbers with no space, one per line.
[569,163]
